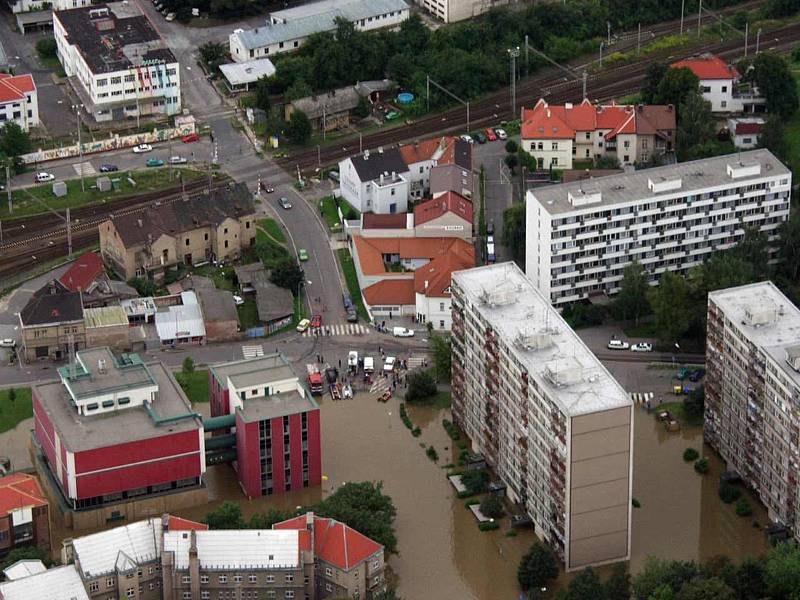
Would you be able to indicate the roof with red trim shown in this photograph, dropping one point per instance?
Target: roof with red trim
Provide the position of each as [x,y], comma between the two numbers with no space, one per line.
[179,524]
[447,202]
[437,272]
[373,251]
[707,67]
[83,272]
[444,150]
[20,490]
[335,542]
[375,221]
[14,87]
[748,128]
[390,291]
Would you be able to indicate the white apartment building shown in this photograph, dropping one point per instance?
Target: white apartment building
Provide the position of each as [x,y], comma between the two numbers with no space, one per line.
[550,420]
[19,101]
[23,6]
[752,389]
[287,30]
[375,181]
[719,85]
[451,11]
[116,62]
[581,236]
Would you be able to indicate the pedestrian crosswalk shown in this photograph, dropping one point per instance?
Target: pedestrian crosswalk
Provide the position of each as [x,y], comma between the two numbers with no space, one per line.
[414,362]
[337,330]
[642,398]
[252,351]
[84,168]
[380,385]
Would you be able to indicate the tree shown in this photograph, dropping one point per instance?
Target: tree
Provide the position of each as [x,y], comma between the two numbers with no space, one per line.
[675,86]
[25,553]
[227,515]
[652,79]
[775,82]
[267,519]
[421,386]
[773,137]
[288,274]
[512,147]
[749,579]
[514,232]
[47,48]
[606,162]
[537,567]
[299,127]
[492,507]
[789,248]
[475,480]
[670,303]
[12,395]
[14,141]
[754,250]
[662,592]
[782,571]
[658,573]
[511,161]
[188,365]
[364,507]
[299,89]
[618,584]
[631,302]
[261,93]
[363,109]
[695,124]
[213,54]
[585,586]
[711,588]
[143,287]
[777,9]
[442,355]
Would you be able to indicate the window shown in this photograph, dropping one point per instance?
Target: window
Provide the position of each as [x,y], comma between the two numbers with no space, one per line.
[205,595]
[441,309]
[328,572]
[226,243]
[225,231]
[110,582]
[290,593]
[555,146]
[270,578]
[626,158]
[187,241]
[247,224]
[116,80]
[102,82]
[149,570]
[92,406]
[252,578]
[328,587]
[289,578]
[205,236]
[723,104]
[441,324]
[185,579]
[151,586]
[204,578]
[108,403]
[237,578]
[223,579]
[187,595]
[724,88]
[130,593]
[94,586]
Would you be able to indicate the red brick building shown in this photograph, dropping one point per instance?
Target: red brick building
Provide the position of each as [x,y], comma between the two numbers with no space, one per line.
[277,425]
[24,513]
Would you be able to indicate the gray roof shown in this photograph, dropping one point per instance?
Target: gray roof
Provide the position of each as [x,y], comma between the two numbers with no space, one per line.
[253,371]
[539,339]
[59,583]
[216,305]
[633,187]
[370,165]
[51,304]
[335,101]
[272,302]
[316,22]
[3,57]
[276,405]
[365,88]
[247,72]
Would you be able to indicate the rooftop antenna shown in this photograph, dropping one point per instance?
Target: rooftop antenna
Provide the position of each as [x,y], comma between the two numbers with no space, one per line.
[71,350]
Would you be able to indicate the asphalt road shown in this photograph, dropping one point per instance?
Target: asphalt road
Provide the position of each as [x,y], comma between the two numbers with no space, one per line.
[498,188]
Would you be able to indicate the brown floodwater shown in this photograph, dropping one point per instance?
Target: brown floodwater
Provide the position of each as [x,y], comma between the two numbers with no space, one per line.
[442,554]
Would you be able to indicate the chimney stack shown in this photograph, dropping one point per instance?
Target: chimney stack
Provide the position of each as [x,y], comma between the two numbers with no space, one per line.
[194,566]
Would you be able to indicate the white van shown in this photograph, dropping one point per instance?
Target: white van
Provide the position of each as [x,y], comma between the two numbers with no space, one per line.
[369,364]
[352,358]
[402,332]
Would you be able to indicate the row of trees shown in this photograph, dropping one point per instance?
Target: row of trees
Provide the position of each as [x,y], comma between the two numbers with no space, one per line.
[775,576]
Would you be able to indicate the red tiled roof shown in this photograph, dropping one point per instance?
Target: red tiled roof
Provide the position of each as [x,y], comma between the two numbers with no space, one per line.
[390,291]
[545,122]
[437,272]
[447,202]
[373,221]
[83,272]
[371,251]
[14,87]
[748,128]
[335,542]
[441,149]
[20,490]
[179,524]
[707,67]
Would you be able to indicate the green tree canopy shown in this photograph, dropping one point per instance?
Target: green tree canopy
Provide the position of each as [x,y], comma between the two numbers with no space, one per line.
[706,589]
[670,303]
[492,507]
[261,93]
[227,515]
[25,553]
[631,301]
[299,127]
[442,355]
[537,568]
[782,572]
[421,386]
[267,519]
[774,79]
[652,79]
[696,125]
[675,86]
[586,585]
[299,89]
[14,141]
[773,137]
[514,232]
[288,274]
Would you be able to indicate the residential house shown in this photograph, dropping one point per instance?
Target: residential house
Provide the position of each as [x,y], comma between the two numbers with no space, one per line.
[19,101]
[88,276]
[746,131]
[51,322]
[24,513]
[215,226]
[447,215]
[393,225]
[220,317]
[275,305]
[720,83]
[439,165]
[328,111]
[116,62]
[557,135]
[432,286]
[240,76]
[25,6]
[375,181]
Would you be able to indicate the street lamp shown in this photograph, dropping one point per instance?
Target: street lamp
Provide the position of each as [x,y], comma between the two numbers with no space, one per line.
[601,53]
[77,108]
[514,54]
[758,38]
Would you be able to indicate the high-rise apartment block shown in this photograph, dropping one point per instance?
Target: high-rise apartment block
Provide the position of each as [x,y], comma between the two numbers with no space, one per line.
[752,390]
[552,423]
[582,235]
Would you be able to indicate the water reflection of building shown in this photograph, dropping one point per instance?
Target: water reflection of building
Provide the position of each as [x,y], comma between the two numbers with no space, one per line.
[551,421]
[752,390]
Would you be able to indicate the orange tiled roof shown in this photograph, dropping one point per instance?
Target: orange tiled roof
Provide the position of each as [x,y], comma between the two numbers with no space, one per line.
[372,250]
[14,87]
[375,221]
[390,291]
[20,490]
[179,524]
[447,202]
[708,67]
[441,149]
[437,272]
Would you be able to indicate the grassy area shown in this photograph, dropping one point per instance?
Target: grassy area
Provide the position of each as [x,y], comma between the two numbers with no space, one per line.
[52,63]
[195,385]
[222,278]
[679,412]
[248,314]
[12,413]
[349,269]
[331,216]
[642,330]
[274,230]
[146,180]
[440,400]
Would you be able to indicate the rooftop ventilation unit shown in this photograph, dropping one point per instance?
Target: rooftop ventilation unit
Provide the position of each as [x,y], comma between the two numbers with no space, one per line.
[740,169]
[563,372]
[664,184]
[535,339]
[793,357]
[500,296]
[759,315]
[583,197]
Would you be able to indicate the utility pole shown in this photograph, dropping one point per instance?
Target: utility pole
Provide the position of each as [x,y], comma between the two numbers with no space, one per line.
[639,39]
[319,157]
[683,6]
[746,31]
[323,122]
[69,234]
[527,68]
[608,40]
[758,39]
[78,108]
[699,16]
[8,182]
[513,53]
[360,142]
[601,53]
[566,70]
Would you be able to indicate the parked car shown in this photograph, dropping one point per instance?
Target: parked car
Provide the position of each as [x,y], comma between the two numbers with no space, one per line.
[618,345]
[467,138]
[7,343]
[177,160]
[352,359]
[490,227]
[369,364]
[388,364]
[402,332]
[303,325]
[171,17]
[142,148]
[697,374]
[683,373]
[238,300]
[642,347]
[316,321]
[334,176]
[346,301]
[489,238]
[269,189]
[44,177]
[490,255]
[480,138]
[302,254]
[284,202]
[108,168]
[500,133]
[352,316]
[154,162]
[192,137]
[490,134]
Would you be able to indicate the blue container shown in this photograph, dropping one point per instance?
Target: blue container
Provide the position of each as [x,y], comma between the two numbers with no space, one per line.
[405,98]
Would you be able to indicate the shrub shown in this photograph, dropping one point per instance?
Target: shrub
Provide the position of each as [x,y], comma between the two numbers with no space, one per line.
[471,502]
[743,508]
[492,507]
[432,454]
[416,432]
[512,147]
[475,481]
[701,466]
[511,533]
[729,493]
[451,430]
[405,418]
[188,365]
[462,456]
[421,386]
[488,525]
[690,454]
[47,48]
[635,503]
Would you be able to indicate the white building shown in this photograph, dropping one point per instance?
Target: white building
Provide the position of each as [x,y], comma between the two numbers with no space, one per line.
[287,30]
[60,583]
[581,236]
[549,419]
[451,11]
[19,101]
[375,181]
[23,6]
[181,323]
[719,85]
[746,131]
[116,62]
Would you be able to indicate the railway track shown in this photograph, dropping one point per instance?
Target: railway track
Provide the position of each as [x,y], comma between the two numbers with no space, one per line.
[552,85]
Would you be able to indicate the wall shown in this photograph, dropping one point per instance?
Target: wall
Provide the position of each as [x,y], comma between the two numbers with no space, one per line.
[561,153]
[721,101]
[248,461]
[451,178]
[28,112]
[115,336]
[435,310]
[55,338]
[448,225]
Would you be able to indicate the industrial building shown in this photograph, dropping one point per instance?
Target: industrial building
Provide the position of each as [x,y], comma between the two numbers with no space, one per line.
[752,385]
[581,235]
[549,419]
[276,421]
[116,438]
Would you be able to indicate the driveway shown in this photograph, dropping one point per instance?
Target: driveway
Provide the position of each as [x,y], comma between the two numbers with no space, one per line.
[498,189]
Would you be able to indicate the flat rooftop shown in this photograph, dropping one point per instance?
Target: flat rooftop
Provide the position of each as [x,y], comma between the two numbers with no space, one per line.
[276,405]
[543,343]
[236,549]
[80,433]
[253,371]
[634,187]
[105,316]
[353,9]
[765,316]
[98,371]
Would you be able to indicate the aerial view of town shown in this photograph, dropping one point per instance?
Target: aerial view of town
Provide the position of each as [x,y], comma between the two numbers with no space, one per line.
[399,300]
